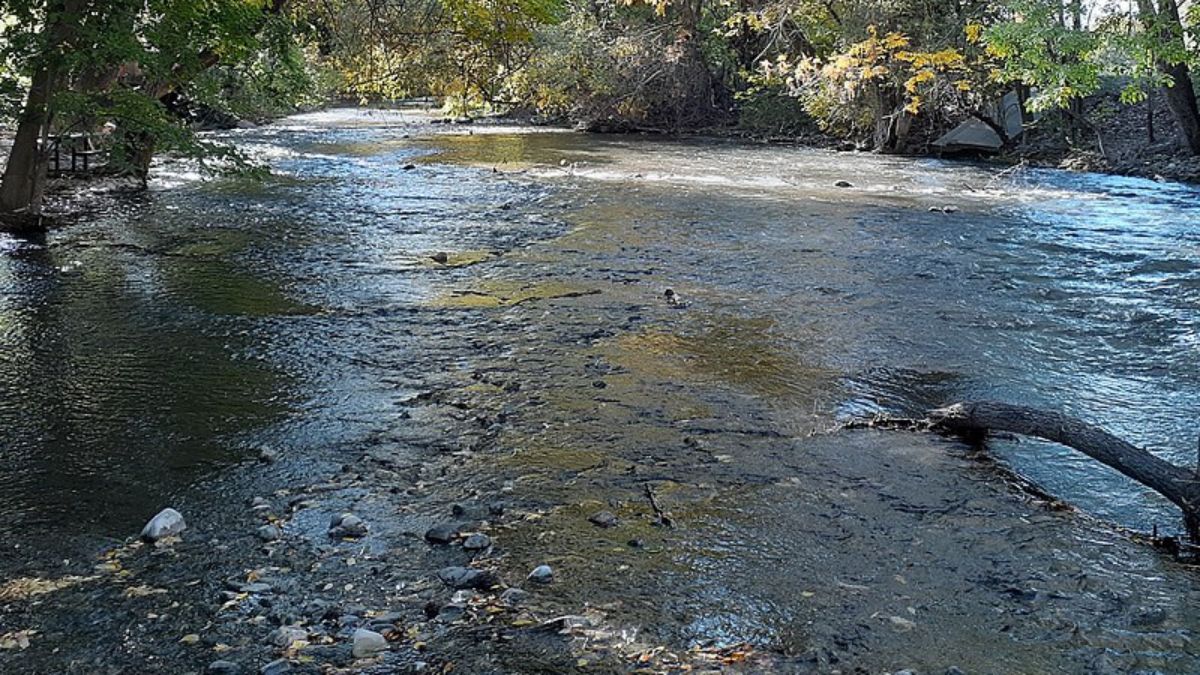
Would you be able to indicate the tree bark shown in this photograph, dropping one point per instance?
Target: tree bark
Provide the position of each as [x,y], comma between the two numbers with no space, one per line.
[1181,95]
[24,181]
[1178,484]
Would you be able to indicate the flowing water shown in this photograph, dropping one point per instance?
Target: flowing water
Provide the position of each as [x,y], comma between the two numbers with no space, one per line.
[147,351]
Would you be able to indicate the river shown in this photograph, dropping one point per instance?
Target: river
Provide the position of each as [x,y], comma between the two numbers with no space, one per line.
[150,351]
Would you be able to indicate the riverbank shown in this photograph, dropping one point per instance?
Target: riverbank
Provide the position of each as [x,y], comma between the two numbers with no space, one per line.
[461,333]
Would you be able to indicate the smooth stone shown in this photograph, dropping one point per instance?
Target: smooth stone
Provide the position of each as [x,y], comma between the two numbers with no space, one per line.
[347,525]
[542,574]
[465,577]
[604,519]
[368,643]
[441,534]
[844,184]
[514,597]
[450,613]
[269,533]
[167,523]
[223,668]
[276,667]
[477,542]
[409,167]
[284,636]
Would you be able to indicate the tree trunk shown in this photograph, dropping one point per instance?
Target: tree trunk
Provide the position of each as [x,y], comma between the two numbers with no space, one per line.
[1181,95]
[25,175]
[24,181]
[1178,484]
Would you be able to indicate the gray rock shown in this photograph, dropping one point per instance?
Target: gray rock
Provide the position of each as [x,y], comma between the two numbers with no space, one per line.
[347,525]
[276,667]
[514,597]
[477,542]
[256,587]
[223,668]
[269,533]
[368,643]
[167,523]
[465,577]
[268,455]
[844,184]
[542,574]
[954,670]
[449,613]
[284,636]
[604,519]
[442,534]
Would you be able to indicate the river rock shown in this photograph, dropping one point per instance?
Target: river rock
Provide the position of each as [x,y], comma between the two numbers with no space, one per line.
[542,574]
[441,534]
[276,667]
[513,597]
[604,519]
[223,668]
[477,542]
[368,643]
[844,184]
[269,533]
[465,577]
[409,167]
[168,523]
[284,636]
[347,525]
[268,455]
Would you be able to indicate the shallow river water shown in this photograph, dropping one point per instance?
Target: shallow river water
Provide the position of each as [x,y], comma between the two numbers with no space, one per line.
[147,352]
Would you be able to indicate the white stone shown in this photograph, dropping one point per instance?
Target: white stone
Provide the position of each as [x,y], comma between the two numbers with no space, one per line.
[168,523]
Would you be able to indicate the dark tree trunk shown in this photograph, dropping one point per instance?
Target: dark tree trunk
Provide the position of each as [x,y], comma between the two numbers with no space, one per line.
[1181,95]
[24,181]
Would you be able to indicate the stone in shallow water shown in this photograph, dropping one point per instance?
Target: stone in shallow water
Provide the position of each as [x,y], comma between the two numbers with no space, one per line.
[441,534]
[223,668]
[276,667]
[368,643]
[604,519]
[168,523]
[542,574]
[347,525]
[514,597]
[477,542]
[284,636]
[269,533]
[465,577]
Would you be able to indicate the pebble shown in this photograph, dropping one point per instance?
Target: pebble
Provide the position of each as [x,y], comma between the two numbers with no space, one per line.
[276,667]
[260,504]
[368,643]
[347,525]
[465,577]
[604,519]
[477,542]
[513,597]
[441,534]
[409,167]
[284,636]
[269,533]
[223,668]
[167,523]
[542,574]
[844,184]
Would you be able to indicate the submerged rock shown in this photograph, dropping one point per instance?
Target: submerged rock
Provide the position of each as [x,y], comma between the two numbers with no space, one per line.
[513,597]
[477,542]
[347,525]
[223,668]
[368,643]
[269,533]
[465,577]
[284,636]
[604,519]
[441,534]
[844,184]
[168,523]
[276,667]
[542,574]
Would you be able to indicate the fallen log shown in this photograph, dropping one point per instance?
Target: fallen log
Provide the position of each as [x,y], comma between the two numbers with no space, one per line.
[974,421]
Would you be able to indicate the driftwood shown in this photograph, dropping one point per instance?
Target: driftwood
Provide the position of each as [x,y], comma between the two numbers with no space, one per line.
[974,421]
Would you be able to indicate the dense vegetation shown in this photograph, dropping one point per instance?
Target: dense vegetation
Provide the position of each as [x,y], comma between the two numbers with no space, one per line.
[884,74]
